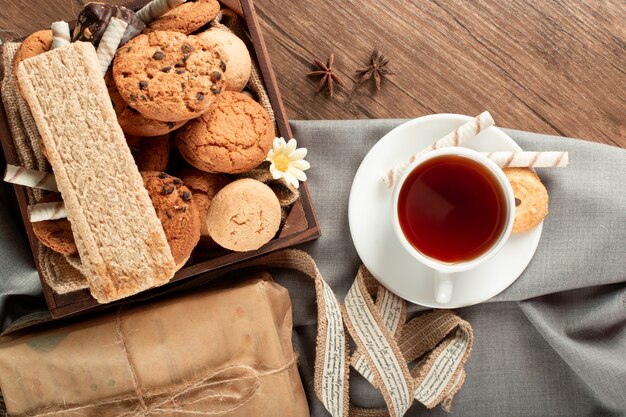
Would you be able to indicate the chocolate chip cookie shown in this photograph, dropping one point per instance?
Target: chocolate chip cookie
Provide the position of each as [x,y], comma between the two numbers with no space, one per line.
[177,211]
[234,53]
[131,121]
[186,18]
[233,136]
[204,187]
[151,154]
[168,76]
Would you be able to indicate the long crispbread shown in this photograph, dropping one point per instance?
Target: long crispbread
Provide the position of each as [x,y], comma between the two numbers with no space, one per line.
[119,237]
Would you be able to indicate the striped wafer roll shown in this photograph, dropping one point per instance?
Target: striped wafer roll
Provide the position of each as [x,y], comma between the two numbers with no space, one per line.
[47,211]
[454,138]
[110,41]
[157,8]
[60,34]
[30,178]
[529,159]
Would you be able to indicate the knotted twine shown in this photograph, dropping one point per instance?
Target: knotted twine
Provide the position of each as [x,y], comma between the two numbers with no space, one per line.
[169,400]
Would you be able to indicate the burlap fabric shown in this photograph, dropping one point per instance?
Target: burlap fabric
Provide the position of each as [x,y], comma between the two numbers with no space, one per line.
[57,272]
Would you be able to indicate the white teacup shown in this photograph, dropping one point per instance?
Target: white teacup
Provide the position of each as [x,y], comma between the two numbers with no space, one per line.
[444,271]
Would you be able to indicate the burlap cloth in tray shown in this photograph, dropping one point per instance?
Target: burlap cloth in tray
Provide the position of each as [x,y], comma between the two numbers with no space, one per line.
[60,272]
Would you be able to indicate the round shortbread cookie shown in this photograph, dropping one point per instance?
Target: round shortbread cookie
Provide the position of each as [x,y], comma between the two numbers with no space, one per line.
[168,76]
[531,198]
[186,18]
[244,215]
[232,137]
[178,213]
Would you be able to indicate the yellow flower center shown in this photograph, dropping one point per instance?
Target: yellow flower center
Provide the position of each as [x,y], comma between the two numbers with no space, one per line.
[281,162]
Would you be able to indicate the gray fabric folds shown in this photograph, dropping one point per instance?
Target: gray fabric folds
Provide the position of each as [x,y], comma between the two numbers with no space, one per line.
[552,344]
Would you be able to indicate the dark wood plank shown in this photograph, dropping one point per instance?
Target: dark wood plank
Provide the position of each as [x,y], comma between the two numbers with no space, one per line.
[549,67]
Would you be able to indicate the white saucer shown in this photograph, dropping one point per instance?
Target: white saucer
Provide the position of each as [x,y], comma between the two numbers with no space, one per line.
[369,215]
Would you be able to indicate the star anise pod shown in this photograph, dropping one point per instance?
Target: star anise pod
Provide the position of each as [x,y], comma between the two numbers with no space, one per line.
[329,76]
[377,69]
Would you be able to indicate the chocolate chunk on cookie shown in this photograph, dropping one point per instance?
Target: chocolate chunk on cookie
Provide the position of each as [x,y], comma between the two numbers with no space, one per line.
[177,212]
[204,187]
[56,234]
[531,198]
[35,44]
[186,18]
[233,136]
[94,18]
[234,53]
[152,153]
[167,76]
[131,121]
[244,215]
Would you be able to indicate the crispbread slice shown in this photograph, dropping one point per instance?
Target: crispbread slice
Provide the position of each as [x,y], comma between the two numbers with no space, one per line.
[120,240]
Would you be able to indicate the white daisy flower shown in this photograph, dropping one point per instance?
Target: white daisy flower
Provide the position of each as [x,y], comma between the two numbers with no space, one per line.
[288,162]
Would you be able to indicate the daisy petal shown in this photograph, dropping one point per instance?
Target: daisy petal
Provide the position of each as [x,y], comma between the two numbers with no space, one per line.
[276,174]
[299,153]
[302,165]
[291,179]
[291,146]
[301,176]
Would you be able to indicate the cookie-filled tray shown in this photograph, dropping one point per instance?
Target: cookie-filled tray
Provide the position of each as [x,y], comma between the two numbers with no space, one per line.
[178,162]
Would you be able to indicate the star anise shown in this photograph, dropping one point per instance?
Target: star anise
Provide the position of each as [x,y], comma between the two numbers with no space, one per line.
[377,69]
[329,76]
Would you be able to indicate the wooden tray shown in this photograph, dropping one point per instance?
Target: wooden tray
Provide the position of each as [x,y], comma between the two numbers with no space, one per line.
[301,224]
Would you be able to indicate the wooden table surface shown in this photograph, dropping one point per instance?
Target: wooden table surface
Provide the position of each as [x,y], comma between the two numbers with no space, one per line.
[555,67]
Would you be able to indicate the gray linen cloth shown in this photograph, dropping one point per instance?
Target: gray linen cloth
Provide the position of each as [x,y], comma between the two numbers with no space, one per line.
[552,344]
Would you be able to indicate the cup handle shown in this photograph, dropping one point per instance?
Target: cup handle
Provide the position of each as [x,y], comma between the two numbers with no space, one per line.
[443,287]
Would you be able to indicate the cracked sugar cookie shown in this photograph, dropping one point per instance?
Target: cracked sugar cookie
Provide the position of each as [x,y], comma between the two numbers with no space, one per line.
[244,215]
[168,76]
[232,137]
[531,198]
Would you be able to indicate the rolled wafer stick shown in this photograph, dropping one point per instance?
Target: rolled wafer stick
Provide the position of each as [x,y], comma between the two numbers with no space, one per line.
[110,41]
[454,138]
[46,211]
[60,34]
[157,8]
[529,159]
[30,178]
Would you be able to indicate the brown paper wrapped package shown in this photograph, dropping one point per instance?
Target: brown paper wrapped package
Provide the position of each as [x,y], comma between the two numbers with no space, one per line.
[225,352]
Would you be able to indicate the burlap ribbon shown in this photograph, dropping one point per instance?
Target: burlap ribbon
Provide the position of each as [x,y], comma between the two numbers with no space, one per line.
[422,359]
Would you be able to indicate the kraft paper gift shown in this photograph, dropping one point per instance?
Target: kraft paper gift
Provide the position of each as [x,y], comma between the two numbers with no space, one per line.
[225,352]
